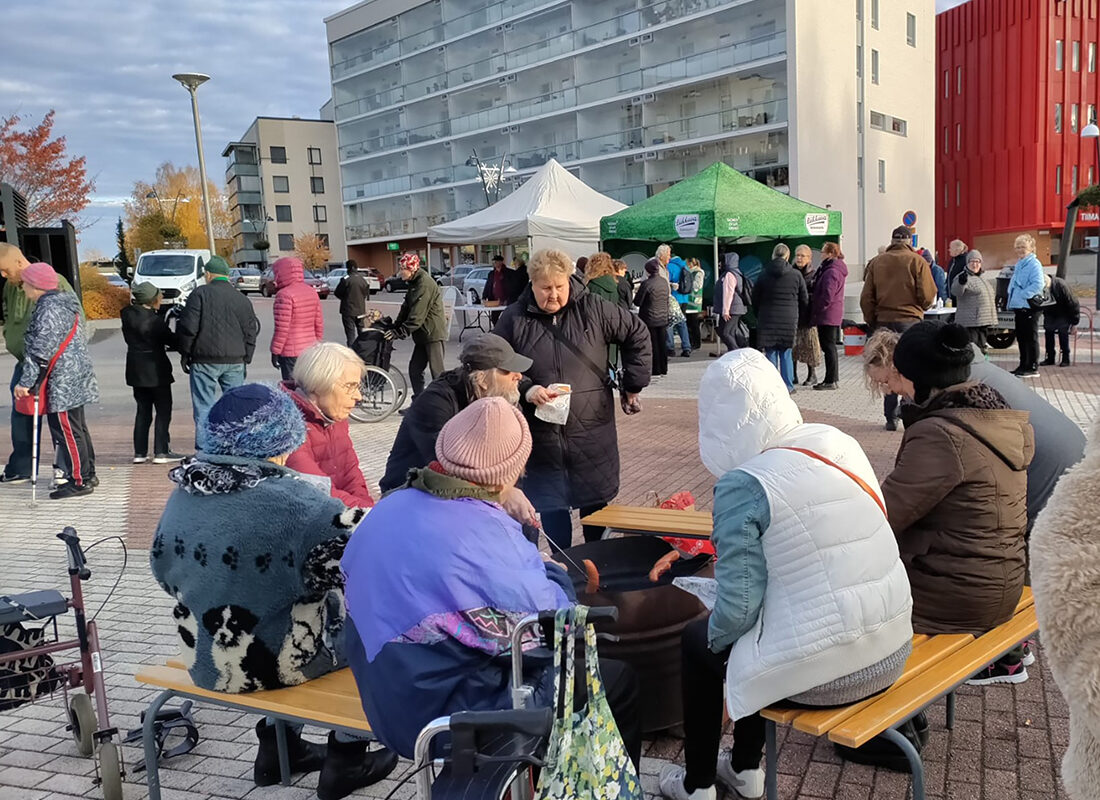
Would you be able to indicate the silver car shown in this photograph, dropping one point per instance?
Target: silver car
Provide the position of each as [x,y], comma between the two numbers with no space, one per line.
[475,282]
[246,279]
[337,274]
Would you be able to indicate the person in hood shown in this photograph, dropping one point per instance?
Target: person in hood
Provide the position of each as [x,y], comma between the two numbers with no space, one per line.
[731,301]
[827,309]
[56,328]
[975,299]
[957,495]
[325,387]
[1026,287]
[779,299]
[652,302]
[429,637]
[1064,565]
[677,271]
[565,332]
[299,322]
[939,275]
[802,539]
[249,550]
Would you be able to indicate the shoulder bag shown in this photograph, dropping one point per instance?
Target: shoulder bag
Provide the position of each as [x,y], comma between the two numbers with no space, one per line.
[37,397]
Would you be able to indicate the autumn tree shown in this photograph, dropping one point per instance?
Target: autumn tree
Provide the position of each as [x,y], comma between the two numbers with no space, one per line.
[312,249]
[38,166]
[169,210]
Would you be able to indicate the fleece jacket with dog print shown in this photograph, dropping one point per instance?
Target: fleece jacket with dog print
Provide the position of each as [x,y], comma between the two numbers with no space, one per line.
[251,553]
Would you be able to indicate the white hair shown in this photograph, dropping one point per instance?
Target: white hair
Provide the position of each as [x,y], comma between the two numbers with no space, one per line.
[804,248]
[318,368]
[663,251]
[781,251]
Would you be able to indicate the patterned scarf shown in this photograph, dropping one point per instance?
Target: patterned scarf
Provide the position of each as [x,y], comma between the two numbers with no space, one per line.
[204,478]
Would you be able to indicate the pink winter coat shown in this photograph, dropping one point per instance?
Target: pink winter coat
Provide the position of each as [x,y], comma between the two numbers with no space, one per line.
[299,323]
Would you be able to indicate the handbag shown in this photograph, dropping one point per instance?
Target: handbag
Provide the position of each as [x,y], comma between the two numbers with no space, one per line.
[586,755]
[26,405]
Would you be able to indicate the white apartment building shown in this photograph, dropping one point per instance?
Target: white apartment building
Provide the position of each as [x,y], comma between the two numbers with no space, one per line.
[830,100]
[282,180]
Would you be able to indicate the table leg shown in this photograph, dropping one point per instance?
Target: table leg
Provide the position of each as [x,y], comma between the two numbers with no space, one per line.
[771,779]
[284,753]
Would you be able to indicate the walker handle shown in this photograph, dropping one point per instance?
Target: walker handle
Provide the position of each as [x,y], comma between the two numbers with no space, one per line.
[77,564]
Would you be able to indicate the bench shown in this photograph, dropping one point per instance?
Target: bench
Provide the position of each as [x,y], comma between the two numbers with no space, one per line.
[937,666]
[331,701]
[658,521]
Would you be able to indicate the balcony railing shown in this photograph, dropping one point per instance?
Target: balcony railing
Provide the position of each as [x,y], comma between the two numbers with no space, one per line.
[399,227]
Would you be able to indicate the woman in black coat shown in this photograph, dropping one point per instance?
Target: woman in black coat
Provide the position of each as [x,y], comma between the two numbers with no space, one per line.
[149,372]
[566,332]
[779,298]
[652,302]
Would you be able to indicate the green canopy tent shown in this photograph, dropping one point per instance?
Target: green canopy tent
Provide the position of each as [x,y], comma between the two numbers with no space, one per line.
[720,204]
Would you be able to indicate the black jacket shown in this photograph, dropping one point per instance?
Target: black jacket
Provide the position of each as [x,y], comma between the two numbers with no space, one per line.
[147,337]
[626,291]
[414,446]
[217,326]
[515,281]
[955,267]
[353,292]
[778,298]
[576,464]
[1066,311]
[652,302]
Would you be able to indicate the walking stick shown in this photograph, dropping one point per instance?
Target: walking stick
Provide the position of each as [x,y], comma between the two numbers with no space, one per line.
[34,452]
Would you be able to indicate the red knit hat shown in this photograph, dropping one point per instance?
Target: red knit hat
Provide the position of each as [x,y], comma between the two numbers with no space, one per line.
[486,443]
[40,276]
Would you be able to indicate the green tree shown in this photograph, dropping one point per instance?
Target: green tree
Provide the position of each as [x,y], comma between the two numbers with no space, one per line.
[122,261]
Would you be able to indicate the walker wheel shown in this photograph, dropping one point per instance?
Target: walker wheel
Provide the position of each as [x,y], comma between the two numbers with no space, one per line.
[110,771]
[82,718]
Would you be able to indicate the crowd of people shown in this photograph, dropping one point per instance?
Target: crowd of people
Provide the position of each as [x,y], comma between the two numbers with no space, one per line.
[486,468]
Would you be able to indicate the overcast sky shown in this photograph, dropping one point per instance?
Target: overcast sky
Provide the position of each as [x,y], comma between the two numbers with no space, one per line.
[108,71]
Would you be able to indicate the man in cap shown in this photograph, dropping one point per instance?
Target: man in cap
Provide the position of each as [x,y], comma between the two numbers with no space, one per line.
[488,367]
[422,317]
[897,288]
[216,335]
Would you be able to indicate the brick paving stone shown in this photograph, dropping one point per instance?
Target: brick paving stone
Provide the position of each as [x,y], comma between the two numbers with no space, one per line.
[820,779]
[18,776]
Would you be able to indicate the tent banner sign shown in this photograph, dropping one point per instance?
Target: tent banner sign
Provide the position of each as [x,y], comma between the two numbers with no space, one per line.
[687,226]
[817,224]
[733,224]
[612,227]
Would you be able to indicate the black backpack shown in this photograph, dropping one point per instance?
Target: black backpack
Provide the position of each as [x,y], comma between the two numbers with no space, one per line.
[744,289]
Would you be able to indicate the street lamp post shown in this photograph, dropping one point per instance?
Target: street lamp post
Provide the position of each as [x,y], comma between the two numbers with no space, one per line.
[1091,131]
[192,81]
[263,235]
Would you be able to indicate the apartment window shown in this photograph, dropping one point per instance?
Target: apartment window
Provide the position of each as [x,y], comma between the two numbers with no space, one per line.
[878,121]
[1092,56]
[899,126]
[1059,53]
[280,183]
[1073,180]
[859,61]
[881,175]
[910,30]
[958,136]
[320,214]
[286,242]
[282,214]
[874,14]
[278,155]
[1057,117]
[874,66]
[1058,179]
[314,154]
[1073,118]
[324,239]
[1075,57]
[317,185]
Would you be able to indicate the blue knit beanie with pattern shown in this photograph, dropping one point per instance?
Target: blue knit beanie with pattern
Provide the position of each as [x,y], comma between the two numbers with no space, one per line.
[254,421]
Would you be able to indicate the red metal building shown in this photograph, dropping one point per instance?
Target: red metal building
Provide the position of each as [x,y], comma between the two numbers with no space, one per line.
[1016,84]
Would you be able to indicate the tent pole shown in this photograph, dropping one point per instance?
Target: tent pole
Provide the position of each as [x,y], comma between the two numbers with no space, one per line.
[717,320]
[429,258]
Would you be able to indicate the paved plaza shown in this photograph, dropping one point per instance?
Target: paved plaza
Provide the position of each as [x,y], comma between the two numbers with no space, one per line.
[1006,744]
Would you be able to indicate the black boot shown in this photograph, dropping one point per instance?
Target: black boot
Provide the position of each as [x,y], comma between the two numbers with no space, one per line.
[1065,360]
[1048,361]
[304,756]
[348,766]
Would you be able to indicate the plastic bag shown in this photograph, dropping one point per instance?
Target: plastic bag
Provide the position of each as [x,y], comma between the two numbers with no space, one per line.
[685,501]
[556,412]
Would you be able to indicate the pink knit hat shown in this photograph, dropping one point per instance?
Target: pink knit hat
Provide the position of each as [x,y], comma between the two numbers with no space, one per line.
[40,276]
[486,443]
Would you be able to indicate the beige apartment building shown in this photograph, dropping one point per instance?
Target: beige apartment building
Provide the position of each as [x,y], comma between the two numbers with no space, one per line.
[283,180]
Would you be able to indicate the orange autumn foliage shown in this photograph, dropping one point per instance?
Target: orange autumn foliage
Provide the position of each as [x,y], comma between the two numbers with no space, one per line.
[55,186]
[101,299]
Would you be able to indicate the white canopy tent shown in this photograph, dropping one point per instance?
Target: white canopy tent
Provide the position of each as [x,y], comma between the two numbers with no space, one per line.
[552,209]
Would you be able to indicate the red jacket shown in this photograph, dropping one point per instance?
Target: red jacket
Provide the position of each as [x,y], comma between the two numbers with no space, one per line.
[328,452]
[299,323]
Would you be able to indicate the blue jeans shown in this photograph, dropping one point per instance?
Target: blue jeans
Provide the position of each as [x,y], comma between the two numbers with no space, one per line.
[22,433]
[781,358]
[685,340]
[206,379]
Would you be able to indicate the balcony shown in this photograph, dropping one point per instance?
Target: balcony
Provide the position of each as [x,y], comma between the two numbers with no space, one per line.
[241,169]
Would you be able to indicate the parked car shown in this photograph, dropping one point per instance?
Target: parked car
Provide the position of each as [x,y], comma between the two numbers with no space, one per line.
[475,281]
[334,277]
[394,283]
[117,280]
[459,274]
[246,279]
[337,274]
[318,283]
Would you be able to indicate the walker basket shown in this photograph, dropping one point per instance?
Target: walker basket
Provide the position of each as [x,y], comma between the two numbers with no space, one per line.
[374,348]
[28,622]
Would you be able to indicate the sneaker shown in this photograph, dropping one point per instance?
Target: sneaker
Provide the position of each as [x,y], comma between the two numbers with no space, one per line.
[58,483]
[1028,373]
[92,481]
[891,424]
[1029,657]
[70,490]
[13,479]
[748,784]
[671,784]
[140,459]
[1000,672]
[824,385]
[167,458]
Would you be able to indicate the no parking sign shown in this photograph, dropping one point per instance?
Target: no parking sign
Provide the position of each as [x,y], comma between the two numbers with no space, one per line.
[909,219]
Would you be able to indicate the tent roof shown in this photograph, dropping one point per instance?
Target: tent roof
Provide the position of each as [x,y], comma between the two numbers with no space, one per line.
[551,203]
[721,202]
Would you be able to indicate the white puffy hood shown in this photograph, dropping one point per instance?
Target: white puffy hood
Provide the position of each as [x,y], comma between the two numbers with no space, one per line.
[744,408]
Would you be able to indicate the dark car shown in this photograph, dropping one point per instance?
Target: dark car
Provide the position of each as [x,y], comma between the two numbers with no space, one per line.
[318,283]
[313,280]
[395,283]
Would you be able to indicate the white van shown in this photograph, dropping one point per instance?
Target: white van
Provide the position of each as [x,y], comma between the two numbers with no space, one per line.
[175,272]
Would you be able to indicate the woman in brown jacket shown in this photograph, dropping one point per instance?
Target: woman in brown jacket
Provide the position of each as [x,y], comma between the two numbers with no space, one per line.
[957,498]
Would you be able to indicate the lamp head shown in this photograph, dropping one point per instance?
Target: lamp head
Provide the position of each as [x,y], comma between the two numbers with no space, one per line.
[191,80]
[1090,131]
[152,195]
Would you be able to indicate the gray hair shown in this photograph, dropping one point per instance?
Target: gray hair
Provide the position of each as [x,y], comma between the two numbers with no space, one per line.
[804,248]
[318,368]
[782,251]
[958,245]
[663,251]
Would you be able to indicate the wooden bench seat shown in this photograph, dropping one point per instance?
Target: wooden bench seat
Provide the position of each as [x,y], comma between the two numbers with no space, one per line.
[659,521]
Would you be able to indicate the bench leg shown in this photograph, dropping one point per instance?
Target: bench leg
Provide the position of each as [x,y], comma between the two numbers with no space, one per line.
[284,753]
[771,779]
[915,764]
[951,711]
[149,742]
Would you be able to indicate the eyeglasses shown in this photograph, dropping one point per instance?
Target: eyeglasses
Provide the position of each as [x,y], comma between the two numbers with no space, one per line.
[352,387]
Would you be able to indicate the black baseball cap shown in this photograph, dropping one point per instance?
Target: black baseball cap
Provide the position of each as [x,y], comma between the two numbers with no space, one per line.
[901,234]
[489,351]
[498,257]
